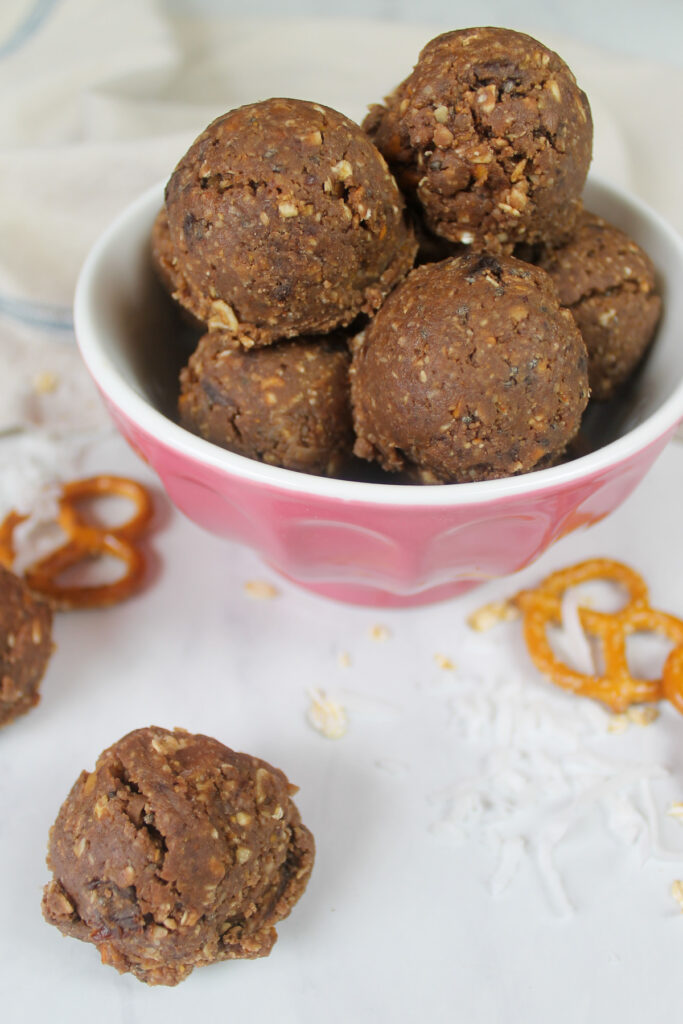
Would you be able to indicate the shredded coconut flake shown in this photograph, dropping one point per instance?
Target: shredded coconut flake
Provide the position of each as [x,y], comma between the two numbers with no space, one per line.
[491,614]
[537,776]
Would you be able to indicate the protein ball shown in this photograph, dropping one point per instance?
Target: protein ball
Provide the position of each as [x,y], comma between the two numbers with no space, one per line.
[491,136]
[287,404]
[176,852]
[286,221]
[470,371]
[608,283]
[25,646]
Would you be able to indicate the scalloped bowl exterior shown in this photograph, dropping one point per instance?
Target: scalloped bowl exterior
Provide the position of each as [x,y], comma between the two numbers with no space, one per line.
[376,544]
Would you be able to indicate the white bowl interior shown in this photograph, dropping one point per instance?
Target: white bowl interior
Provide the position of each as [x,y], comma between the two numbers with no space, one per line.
[134,344]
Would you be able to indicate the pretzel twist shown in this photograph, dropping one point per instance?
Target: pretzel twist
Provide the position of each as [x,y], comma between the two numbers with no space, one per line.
[85,541]
[616,686]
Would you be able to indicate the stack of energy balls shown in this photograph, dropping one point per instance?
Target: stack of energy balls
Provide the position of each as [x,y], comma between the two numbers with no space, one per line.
[291,234]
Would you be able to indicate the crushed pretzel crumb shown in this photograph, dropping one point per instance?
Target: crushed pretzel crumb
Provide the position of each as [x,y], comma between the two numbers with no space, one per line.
[327,716]
[380,633]
[444,662]
[491,614]
[260,590]
[643,715]
[45,383]
[677,892]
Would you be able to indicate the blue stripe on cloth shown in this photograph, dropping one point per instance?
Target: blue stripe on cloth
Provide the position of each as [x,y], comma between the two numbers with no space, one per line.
[25,29]
[37,314]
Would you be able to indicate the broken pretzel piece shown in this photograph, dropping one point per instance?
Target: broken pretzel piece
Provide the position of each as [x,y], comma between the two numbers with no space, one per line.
[85,541]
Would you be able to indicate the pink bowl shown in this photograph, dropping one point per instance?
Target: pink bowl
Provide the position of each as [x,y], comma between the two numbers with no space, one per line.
[369,543]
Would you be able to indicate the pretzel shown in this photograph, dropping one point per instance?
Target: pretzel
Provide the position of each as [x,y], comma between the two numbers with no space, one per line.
[616,687]
[86,541]
[7,528]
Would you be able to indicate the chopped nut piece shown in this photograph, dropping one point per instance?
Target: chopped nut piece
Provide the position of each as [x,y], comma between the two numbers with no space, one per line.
[260,590]
[442,137]
[344,659]
[380,633]
[342,170]
[444,662]
[287,210]
[491,614]
[604,319]
[223,315]
[441,114]
[327,716]
[554,89]
[313,138]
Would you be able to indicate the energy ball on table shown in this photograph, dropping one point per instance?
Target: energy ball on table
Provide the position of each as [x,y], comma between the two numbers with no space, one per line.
[492,138]
[286,221]
[608,283]
[286,404]
[176,852]
[25,646]
[470,371]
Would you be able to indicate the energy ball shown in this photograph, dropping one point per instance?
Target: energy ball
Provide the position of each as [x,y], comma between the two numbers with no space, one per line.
[608,283]
[176,852]
[286,221]
[491,136]
[470,371]
[164,259]
[167,269]
[25,646]
[286,404]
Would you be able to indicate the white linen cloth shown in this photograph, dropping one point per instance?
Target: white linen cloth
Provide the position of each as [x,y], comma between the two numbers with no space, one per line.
[100,99]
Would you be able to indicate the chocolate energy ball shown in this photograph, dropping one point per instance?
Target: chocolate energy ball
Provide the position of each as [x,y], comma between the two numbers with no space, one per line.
[286,221]
[608,283]
[287,404]
[164,257]
[176,852]
[491,136]
[25,646]
[471,370]
[167,269]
